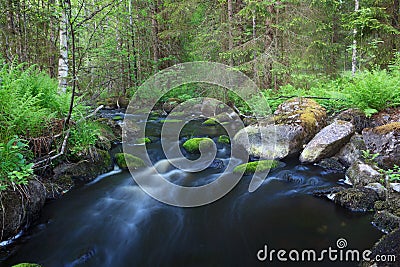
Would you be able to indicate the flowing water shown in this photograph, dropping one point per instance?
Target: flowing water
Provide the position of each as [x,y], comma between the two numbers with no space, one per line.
[112,222]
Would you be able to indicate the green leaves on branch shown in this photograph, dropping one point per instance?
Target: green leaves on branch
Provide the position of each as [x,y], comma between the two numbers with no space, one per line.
[14,168]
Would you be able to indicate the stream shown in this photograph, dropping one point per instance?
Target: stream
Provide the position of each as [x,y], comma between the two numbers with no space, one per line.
[112,222]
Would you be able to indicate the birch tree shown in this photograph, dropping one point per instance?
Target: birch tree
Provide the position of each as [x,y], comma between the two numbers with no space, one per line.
[63,59]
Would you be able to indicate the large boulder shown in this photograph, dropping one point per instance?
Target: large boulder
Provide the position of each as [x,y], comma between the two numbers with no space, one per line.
[327,142]
[384,140]
[302,112]
[361,174]
[125,161]
[20,208]
[387,245]
[352,151]
[357,199]
[281,140]
[296,123]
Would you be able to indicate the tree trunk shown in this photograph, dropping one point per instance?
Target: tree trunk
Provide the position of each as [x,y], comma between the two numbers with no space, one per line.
[269,40]
[156,42]
[135,66]
[395,22]
[230,32]
[354,55]
[63,60]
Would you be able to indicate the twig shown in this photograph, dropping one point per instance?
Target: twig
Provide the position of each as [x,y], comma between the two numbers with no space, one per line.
[64,144]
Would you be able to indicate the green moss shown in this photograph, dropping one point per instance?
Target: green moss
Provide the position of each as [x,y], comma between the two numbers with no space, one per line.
[251,167]
[192,145]
[224,139]
[125,161]
[387,128]
[144,140]
[210,122]
[27,265]
[105,156]
[117,118]
[172,121]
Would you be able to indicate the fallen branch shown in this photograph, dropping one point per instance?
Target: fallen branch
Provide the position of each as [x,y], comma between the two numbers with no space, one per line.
[65,141]
[62,151]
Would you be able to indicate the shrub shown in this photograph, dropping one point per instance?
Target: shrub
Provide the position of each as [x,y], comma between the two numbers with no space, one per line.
[83,137]
[14,169]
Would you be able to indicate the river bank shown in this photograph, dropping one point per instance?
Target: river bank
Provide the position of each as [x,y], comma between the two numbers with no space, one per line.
[340,153]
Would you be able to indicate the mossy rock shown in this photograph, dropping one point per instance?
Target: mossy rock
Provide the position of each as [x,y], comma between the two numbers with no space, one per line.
[27,265]
[192,145]
[251,167]
[224,139]
[387,128]
[210,122]
[125,161]
[171,121]
[117,118]
[144,140]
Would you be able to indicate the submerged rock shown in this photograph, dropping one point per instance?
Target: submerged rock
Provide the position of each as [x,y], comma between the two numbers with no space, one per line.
[352,151]
[128,161]
[331,164]
[328,193]
[361,174]
[357,199]
[327,142]
[217,164]
[20,208]
[384,140]
[193,145]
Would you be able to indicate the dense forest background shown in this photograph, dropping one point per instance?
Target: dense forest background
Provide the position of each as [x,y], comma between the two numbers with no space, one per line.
[110,47]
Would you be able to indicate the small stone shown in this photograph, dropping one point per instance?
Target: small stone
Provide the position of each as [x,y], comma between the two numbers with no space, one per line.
[395,187]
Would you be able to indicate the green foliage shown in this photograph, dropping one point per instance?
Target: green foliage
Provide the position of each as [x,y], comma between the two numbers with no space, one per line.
[393,175]
[251,167]
[83,137]
[369,157]
[377,90]
[14,169]
[28,101]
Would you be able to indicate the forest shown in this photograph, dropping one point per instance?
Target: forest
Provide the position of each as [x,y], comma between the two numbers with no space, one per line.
[64,62]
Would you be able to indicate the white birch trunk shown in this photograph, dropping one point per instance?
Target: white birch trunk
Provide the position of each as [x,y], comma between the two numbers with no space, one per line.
[354,56]
[63,60]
